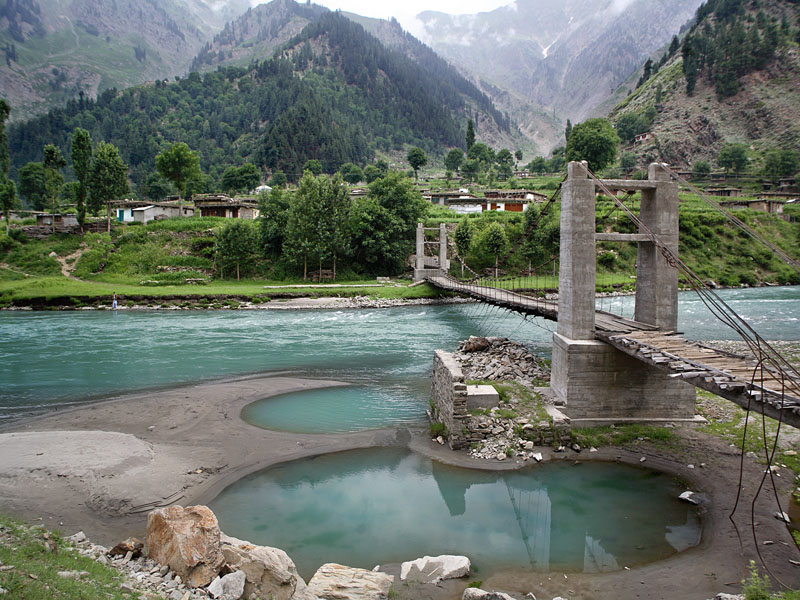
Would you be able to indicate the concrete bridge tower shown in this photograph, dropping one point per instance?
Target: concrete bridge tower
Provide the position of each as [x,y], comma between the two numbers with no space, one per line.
[431,263]
[596,382]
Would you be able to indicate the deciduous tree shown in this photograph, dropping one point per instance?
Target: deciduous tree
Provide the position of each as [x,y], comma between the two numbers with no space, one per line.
[494,240]
[314,166]
[733,156]
[463,239]
[108,179]
[417,158]
[453,160]
[178,164]
[594,141]
[32,179]
[351,173]
[235,244]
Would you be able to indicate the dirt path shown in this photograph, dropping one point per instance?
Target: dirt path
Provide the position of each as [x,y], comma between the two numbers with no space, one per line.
[67,268]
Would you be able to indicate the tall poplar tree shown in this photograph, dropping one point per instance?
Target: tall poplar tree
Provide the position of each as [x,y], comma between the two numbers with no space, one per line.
[53,163]
[8,191]
[81,155]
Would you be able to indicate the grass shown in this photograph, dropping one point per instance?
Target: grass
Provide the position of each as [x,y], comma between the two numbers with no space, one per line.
[34,575]
[622,435]
[731,428]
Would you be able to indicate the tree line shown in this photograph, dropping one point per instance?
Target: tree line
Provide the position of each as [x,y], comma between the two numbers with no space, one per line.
[320,227]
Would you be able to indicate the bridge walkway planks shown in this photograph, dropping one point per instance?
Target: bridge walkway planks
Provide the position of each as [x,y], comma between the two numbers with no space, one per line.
[727,375]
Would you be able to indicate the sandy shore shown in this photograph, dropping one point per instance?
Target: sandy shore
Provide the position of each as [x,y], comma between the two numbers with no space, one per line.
[101,467]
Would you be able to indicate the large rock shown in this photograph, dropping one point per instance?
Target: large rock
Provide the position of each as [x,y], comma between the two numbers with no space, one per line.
[186,539]
[475,344]
[336,582]
[479,594]
[229,587]
[269,572]
[432,569]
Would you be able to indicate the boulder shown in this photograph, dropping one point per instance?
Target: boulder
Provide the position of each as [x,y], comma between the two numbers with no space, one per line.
[269,572]
[133,545]
[337,582]
[479,594]
[476,344]
[187,540]
[432,569]
[229,587]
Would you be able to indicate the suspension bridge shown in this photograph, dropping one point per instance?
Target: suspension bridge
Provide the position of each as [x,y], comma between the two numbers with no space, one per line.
[608,368]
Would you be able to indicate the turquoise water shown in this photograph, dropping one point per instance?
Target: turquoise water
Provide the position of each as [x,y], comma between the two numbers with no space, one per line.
[50,359]
[340,409]
[386,505]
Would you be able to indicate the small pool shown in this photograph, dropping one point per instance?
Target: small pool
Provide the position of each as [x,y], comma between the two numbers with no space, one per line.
[383,505]
[339,409]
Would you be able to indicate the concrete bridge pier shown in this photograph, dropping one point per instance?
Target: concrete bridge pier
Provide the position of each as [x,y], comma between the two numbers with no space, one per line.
[597,383]
[427,264]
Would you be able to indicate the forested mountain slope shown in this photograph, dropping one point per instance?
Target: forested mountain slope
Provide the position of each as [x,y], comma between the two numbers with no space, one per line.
[54,50]
[265,28]
[334,93]
[734,78]
[256,34]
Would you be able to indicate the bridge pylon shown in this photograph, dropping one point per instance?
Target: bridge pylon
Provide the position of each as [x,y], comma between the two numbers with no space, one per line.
[431,259]
[596,382]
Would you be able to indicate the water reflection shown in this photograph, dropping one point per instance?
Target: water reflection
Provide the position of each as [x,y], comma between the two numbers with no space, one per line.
[388,505]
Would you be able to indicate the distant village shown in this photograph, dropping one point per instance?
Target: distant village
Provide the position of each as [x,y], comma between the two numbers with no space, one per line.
[462,201]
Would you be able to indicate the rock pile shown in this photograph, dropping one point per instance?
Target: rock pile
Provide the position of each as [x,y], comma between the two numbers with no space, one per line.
[144,575]
[500,359]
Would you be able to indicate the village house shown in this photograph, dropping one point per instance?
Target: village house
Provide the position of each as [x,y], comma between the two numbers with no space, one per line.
[725,192]
[143,211]
[761,204]
[463,202]
[57,220]
[220,205]
[641,138]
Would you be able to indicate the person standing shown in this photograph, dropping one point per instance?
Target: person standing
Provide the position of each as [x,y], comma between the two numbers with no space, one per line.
[114,301]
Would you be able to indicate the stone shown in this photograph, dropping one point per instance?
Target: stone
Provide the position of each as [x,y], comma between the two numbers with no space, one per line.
[689,496]
[77,538]
[229,587]
[432,569]
[269,572]
[537,457]
[337,582]
[133,545]
[724,596]
[187,540]
[71,574]
[479,594]
[475,344]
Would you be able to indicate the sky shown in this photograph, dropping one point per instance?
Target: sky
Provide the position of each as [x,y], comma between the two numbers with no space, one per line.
[405,11]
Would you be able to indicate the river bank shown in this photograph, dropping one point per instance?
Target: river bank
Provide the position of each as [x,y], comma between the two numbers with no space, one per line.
[101,468]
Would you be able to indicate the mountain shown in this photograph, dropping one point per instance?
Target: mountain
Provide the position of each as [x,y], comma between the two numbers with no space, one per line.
[734,78]
[56,50]
[256,33]
[264,29]
[333,92]
[561,56]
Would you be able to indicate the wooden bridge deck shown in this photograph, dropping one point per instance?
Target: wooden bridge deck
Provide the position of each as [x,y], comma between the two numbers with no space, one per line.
[733,377]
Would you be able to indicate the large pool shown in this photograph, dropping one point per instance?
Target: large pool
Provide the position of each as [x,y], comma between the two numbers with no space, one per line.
[387,505]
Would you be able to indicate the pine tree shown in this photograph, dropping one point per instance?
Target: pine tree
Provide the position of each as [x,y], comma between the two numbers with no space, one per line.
[470,134]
